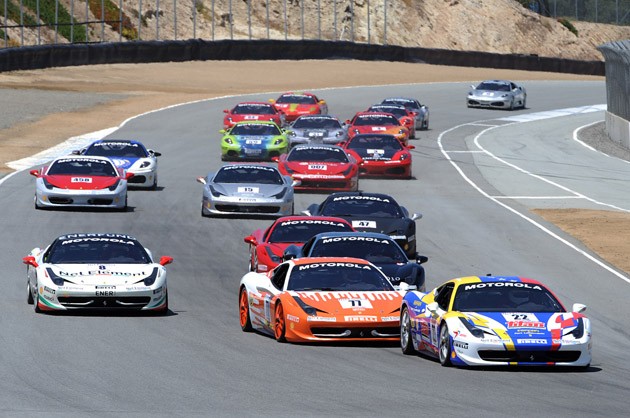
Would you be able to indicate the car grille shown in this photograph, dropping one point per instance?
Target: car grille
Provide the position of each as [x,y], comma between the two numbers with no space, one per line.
[248,209]
[123,302]
[137,179]
[60,200]
[100,202]
[327,184]
[529,356]
[361,332]
[395,170]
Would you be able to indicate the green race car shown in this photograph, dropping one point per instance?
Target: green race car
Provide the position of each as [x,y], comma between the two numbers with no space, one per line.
[260,140]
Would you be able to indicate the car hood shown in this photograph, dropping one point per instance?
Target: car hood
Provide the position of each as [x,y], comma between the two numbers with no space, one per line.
[101,274]
[375,224]
[375,153]
[489,93]
[248,190]
[370,129]
[357,304]
[125,162]
[313,167]
[315,134]
[295,107]
[522,328]
[78,182]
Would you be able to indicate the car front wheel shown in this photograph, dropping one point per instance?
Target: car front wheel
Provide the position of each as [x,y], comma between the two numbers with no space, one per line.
[406,343]
[445,348]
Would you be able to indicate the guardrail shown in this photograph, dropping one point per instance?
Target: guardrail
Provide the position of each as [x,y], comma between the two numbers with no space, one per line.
[617,56]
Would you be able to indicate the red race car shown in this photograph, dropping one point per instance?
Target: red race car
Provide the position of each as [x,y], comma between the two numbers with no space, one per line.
[404,115]
[321,167]
[298,104]
[381,155]
[377,123]
[266,246]
[252,111]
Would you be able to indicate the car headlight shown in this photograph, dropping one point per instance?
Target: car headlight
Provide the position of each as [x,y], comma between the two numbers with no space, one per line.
[401,131]
[292,133]
[347,170]
[272,256]
[59,281]
[356,131]
[310,310]
[578,331]
[281,194]
[404,156]
[476,332]
[114,186]
[150,279]
[47,184]
[288,169]
[339,133]
[228,141]
[278,141]
[214,192]
[145,164]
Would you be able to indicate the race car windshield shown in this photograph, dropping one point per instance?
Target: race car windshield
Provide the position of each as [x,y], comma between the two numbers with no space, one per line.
[474,298]
[383,120]
[375,142]
[296,98]
[248,175]
[253,110]
[319,154]
[329,277]
[116,149]
[255,129]
[97,251]
[301,232]
[493,86]
[362,207]
[409,104]
[87,167]
[374,250]
[396,111]
[316,123]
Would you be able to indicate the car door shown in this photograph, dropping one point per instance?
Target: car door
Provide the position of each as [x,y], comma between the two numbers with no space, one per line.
[270,292]
[435,312]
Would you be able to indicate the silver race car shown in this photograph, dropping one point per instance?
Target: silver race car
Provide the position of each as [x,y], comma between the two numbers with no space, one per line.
[77,180]
[96,271]
[499,94]
[247,189]
[414,105]
[317,129]
[130,155]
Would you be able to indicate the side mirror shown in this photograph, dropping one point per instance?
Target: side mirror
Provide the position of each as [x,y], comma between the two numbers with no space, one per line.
[406,287]
[226,110]
[250,240]
[290,253]
[411,147]
[76,152]
[347,122]
[201,180]
[154,153]
[275,159]
[472,86]
[30,260]
[272,100]
[128,176]
[306,212]
[35,173]
[432,307]
[578,308]
[164,260]
[416,216]
[421,259]
[222,131]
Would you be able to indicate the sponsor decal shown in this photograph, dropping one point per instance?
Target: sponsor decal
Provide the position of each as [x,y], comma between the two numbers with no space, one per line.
[80,180]
[313,222]
[124,239]
[115,144]
[390,318]
[355,303]
[105,293]
[358,197]
[248,189]
[82,159]
[525,324]
[246,199]
[105,287]
[354,238]
[158,290]
[417,303]
[253,141]
[49,290]
[100,273]
[379,128]
[248,166]
[317,167]
[532,341]
[333,264]
[501,284]
[518,316]
[251,117]
[320,319]
[364,224]
[459,344]
[360,318]
[293,318]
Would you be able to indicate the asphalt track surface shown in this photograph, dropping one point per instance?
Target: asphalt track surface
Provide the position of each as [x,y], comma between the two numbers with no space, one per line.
[197,362]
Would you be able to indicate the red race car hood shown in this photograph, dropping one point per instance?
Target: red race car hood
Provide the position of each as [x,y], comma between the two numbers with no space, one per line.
[353,304]
[313,167]
[295,107]
[77,182]
[371,129]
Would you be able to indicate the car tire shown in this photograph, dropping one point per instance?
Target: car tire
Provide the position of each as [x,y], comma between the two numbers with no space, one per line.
[279,327]
[164,310]
[512,106]
[243,307]
[37,206]
[155,182]
[524,103]
[406,343]
[36,300]
[425,125]
[444,346]
[29,297]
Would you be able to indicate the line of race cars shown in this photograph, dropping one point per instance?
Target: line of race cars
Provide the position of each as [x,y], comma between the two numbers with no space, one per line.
[347,269]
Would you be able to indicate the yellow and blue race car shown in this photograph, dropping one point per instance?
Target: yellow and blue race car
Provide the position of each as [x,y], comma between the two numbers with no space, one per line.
[495,321]
[258,141]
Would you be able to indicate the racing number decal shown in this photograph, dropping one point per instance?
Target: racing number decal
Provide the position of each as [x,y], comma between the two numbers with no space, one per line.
[521,317]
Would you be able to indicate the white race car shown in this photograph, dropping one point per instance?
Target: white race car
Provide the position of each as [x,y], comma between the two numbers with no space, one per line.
[96,271]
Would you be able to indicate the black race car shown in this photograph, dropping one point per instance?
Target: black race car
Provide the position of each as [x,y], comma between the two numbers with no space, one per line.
[379,249]
[371,212]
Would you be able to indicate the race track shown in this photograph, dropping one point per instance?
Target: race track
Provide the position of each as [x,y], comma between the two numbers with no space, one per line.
[476,175]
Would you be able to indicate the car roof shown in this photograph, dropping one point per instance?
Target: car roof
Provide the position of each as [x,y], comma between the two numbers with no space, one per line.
[352,234]
[310,218]
[381,195]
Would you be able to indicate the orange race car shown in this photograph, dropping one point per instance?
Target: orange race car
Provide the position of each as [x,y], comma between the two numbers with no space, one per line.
[295,104]
[321,299]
